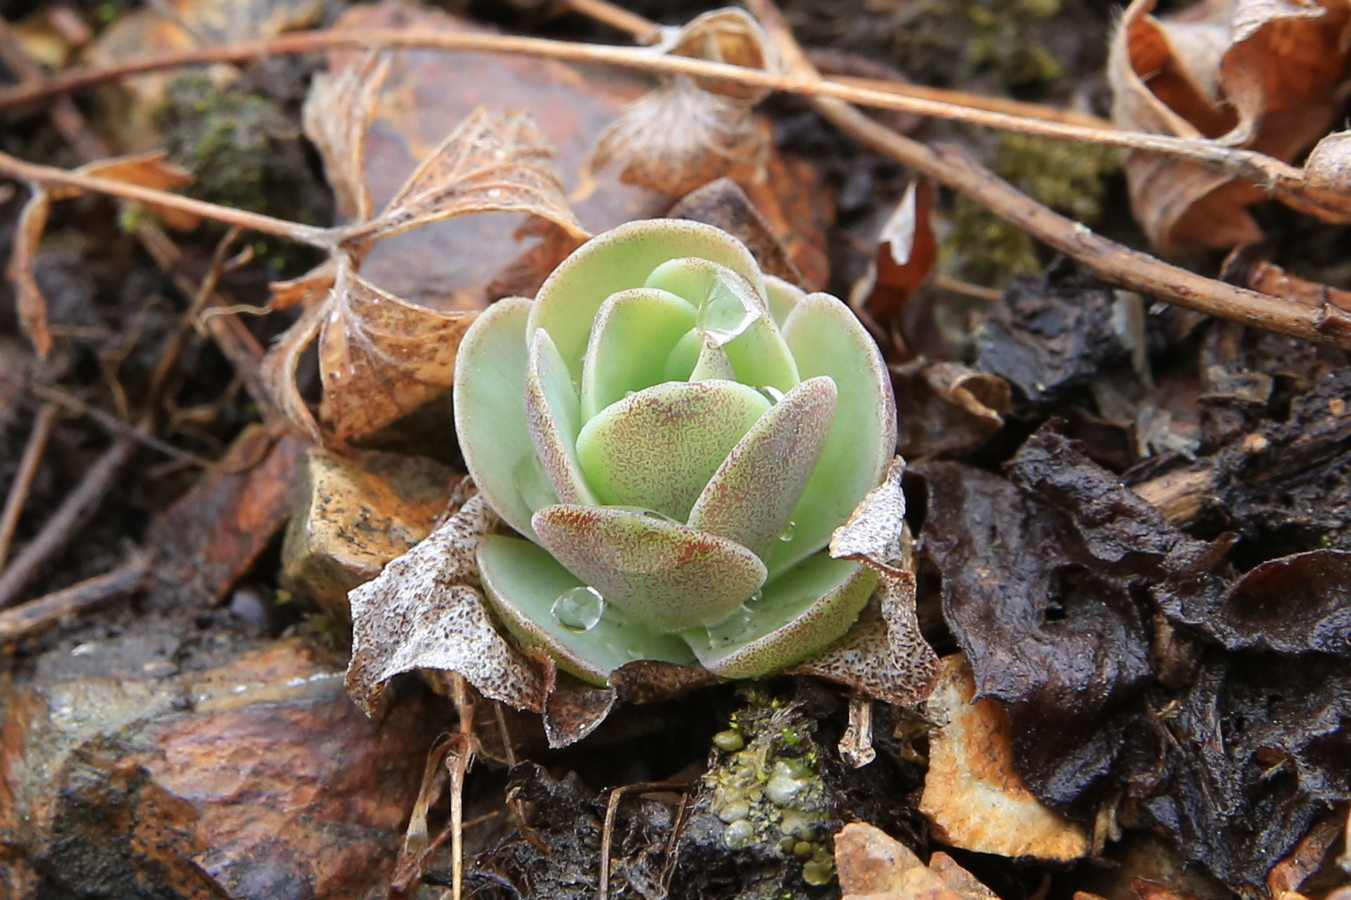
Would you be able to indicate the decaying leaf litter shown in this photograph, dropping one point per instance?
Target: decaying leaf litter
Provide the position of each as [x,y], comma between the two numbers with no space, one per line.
[1127,518]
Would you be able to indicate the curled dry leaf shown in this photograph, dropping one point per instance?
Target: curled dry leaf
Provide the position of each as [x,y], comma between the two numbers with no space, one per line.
[337,117]
[1266,75]
[906,252]
[381,357]
[973,795]
[883,655]
[691,131]
[146,169]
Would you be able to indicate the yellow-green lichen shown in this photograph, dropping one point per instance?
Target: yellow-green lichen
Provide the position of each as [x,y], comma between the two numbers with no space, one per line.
[766,787]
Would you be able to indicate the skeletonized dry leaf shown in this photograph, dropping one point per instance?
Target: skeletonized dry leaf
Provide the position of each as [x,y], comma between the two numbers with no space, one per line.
[425,611]
[146,169]
[381,357]
[1261,74]
[875,866]
[337,117]
[493,162]
[973,796]
[883,655]
[691,131]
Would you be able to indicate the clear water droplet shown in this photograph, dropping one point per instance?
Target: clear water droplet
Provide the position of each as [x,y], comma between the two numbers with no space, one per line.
[787,533]
[723,316]
[770,393]
[578,609]
[755,600]
[628,394]
[733,628]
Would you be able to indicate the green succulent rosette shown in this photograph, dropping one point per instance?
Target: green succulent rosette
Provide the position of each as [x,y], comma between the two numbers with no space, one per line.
[675,437]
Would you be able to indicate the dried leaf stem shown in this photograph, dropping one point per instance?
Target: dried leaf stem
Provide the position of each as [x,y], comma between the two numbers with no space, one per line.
[1264,170]
[35,173]
[955,168]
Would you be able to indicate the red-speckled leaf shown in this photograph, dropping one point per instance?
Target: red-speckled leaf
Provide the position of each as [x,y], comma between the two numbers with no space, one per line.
[659,448]
[753,493]
[657,571]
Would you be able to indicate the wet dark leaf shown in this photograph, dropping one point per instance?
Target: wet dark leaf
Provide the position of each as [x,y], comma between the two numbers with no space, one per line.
[1295,604]
[1248,758]
[1049,336]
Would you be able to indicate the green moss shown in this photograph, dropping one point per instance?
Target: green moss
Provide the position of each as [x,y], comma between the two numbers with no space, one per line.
[1065,175]
[240,147]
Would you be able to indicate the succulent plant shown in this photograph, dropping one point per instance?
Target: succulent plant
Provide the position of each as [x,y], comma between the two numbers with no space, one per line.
[675,437]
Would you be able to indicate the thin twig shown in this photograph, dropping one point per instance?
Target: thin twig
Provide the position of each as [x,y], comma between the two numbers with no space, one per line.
[1264,170]
[65,116]
[75,510]
[955,168]
[115,426]
[23,478]
[188,325]
[644,30]
[612,811]
[37,614]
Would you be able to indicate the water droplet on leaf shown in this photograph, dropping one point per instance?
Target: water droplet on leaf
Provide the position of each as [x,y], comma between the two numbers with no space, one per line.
[787,533]
[579,608]
[733,628]
[723,316]
[770,393]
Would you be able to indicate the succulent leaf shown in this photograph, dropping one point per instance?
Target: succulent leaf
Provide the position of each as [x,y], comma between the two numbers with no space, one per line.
[621,259]
[712,364]
[827,339]
[752,495]
[783,298]
[800,613]
[524,583]
[663,574]
[652,319]
[658,448]
[553,414]
[489,384]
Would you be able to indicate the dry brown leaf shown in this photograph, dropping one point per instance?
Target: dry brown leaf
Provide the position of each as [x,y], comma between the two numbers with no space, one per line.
[381,357]
[691,131]
[493,162]
[906,252]
[425,611]
[337,118]
[875,866]
[973,796]
[146,169]
[1266,75]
